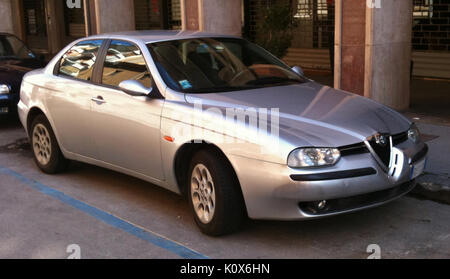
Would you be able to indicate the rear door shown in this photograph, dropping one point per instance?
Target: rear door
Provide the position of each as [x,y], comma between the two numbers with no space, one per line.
[70,101]
[127,128]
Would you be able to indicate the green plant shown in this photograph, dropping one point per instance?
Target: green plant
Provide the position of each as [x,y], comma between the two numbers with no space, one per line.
[275,31]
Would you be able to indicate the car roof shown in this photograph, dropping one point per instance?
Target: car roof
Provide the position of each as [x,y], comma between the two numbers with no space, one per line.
[151,36]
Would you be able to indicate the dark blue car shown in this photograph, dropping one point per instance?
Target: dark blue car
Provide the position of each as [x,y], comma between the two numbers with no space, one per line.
[16,59]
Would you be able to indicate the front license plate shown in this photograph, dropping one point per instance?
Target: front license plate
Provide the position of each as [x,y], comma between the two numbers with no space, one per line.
[418,169]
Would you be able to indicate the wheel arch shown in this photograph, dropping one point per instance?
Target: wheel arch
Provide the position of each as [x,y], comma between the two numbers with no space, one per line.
[185,153]
[32,114]
[34,111]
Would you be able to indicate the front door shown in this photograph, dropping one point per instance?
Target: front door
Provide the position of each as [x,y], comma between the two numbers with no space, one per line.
[127,128]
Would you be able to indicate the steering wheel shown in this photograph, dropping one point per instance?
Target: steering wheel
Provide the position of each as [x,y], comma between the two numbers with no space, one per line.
[238,75]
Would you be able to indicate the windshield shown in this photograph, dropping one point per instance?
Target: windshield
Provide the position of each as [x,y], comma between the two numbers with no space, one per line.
[13,48]
[205,65]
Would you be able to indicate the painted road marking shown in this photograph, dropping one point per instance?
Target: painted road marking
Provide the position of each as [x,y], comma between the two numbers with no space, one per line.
[144,234]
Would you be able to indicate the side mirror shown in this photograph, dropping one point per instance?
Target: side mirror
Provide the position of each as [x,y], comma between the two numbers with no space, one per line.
[298,70]
[134,88]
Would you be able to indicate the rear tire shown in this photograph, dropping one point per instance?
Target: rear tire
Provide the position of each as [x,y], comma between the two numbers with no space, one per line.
[47,154]
[214,194]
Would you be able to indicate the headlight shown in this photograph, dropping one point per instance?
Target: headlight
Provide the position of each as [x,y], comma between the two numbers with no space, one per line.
[313,157]
[5,89]
[414,134]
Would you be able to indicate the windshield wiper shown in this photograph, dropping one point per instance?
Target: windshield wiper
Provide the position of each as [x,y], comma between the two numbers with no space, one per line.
[272,80]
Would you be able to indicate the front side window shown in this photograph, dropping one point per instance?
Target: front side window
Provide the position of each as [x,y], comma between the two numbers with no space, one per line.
[204,65]
[124,61]
[79,61]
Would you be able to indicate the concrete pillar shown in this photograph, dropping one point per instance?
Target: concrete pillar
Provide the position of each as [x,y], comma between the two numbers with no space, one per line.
[350,45]
[373,49]
[190,15]
[55,25]
[114,15]
[90,18]
[215,16]
[18,20]
[6,20]
[388,53]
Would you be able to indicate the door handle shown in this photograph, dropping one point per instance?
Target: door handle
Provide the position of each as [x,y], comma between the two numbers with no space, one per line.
[99,100]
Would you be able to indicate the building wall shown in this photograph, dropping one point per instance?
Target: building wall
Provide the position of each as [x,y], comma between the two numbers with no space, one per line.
[114,15]
[373,45]
[6,20]
[218,16]
[215,16]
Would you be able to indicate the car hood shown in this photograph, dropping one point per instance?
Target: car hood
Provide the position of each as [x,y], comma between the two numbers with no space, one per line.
[12,71]
[311,114]
[22,66]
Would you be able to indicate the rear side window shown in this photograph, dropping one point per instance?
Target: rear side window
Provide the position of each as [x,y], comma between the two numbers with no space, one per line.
[79,61]
[124,61]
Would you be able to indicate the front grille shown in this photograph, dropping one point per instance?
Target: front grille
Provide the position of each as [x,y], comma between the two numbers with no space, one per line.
[344,204]
[399,138]
[354,149]
[382,151]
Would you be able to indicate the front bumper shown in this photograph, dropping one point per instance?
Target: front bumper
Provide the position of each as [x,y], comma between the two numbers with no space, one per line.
[364,201]
[23,111]
[277,192]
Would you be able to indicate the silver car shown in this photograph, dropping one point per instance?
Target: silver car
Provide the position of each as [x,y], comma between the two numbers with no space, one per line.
[222,121]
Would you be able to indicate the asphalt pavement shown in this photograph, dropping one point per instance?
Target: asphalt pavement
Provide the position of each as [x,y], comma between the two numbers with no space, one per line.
[105,214]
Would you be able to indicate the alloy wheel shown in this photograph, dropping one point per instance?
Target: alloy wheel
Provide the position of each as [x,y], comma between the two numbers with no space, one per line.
[203,194]
[42,145]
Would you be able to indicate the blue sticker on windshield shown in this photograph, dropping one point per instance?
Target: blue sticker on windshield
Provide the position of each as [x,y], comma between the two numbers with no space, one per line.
[185,84]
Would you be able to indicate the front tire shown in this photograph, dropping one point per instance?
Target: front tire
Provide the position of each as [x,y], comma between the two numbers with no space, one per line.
[214,194]
[47,154]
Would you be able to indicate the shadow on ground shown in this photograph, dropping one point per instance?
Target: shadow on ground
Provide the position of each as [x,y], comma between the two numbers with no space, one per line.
[9,122]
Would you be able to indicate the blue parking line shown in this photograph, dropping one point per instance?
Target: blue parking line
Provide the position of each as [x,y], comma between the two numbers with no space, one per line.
[107,218]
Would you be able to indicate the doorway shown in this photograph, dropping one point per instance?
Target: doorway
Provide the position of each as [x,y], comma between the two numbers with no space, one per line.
[36,25]
[50,25]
